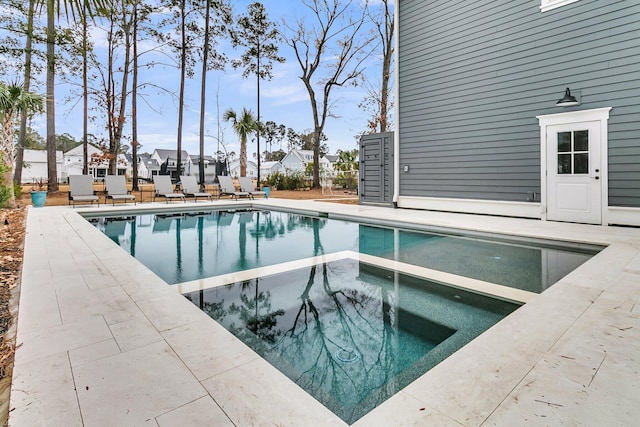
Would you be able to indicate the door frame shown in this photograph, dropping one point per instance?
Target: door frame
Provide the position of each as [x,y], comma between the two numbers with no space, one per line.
[574,117]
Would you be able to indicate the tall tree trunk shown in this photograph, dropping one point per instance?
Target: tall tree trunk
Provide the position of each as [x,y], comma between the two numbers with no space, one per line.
[183,66]
[243,156]
[52,171]
[134,100]
[22,135]
[203,90]
[7,156]
[122,110]
[85,98]
[386,66]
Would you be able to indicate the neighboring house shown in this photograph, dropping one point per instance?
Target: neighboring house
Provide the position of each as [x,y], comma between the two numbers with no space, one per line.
[35,165]
[98,167]
[332,158]
[168,160]
[234,169]
[209,168]
[479,128]
[147,167]
[268,168]
[297,161]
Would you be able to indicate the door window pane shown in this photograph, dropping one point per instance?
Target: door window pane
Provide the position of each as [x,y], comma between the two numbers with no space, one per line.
[581,163]
[564,164]
[581,140]
[564,142]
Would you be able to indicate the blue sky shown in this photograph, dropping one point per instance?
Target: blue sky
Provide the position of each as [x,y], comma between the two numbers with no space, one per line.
[284,99]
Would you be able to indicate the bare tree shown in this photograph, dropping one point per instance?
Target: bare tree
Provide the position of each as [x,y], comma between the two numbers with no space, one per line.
[330,51]
[378,99]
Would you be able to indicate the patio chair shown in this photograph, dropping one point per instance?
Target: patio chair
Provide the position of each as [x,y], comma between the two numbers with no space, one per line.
[116,189]
[246,185]
[164,188]
[190,188]
[228,189]
[81,190]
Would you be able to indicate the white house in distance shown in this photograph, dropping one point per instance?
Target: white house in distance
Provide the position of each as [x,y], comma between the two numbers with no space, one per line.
[34,166]
[234,169]
[98,168]
[209,168]
[268,168]
[297,161]
[168,160]
[147,167]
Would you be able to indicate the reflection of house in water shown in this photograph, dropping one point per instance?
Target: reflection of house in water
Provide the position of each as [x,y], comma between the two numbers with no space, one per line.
[245,217]
[162,223]
[225,218]
[144,221]
[115,229]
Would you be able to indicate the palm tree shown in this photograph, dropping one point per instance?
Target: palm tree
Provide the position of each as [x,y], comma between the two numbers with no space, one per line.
[243,126]
[14,100]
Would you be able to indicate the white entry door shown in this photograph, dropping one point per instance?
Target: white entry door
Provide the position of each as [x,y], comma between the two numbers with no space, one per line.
[574,189]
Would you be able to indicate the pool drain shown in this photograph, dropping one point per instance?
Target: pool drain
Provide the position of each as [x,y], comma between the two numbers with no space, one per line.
[347,355]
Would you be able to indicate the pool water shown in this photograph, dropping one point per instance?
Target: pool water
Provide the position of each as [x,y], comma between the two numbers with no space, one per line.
[185,247]
[351,334]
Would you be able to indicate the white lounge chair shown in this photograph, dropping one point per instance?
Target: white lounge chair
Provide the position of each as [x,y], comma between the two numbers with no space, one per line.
[164,188]
[246,185]
[81,190]
[227,188]
[116,189]
[190,188]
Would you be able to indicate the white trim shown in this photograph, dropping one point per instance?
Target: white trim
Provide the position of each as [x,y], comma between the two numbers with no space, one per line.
[546,5]
[473,206]
[593,115]
[623,216]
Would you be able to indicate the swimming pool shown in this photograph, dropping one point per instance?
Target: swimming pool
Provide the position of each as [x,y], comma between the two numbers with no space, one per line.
[368,301]
[190,246]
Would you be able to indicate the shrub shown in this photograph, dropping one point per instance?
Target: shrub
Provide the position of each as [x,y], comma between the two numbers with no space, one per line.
[346,180]
[289,181]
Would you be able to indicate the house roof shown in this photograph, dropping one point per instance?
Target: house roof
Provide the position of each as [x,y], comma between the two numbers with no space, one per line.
[164,154]
[207,159]
[39,156]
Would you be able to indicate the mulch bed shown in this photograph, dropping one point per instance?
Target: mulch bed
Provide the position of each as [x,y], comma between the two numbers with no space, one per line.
[12,231]
[12,238]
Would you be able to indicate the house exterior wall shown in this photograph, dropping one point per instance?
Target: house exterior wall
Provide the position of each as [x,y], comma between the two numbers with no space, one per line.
[473,77]
[35,165]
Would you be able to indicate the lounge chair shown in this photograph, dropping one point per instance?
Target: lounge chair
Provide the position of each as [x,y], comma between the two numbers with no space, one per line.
[190,188]
[116,189]
[228,189]
[164,188]
[246,185]
[81,190]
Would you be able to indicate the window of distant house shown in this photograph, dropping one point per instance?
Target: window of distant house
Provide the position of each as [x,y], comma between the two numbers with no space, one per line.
[546,5]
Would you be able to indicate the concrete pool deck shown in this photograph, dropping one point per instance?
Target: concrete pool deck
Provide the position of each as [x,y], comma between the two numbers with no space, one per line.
[102,341]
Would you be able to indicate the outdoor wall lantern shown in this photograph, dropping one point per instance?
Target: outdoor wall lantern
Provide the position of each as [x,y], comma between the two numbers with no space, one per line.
[568,100]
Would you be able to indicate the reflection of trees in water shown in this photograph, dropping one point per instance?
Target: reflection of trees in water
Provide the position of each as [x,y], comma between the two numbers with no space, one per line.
[269,228]
[355,322]
[256,314]
[299,221]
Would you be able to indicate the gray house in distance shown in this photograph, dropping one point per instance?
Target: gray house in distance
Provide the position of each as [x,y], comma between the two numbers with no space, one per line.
[480,128]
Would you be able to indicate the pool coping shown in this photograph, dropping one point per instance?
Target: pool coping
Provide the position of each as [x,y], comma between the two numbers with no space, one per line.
[96,328]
